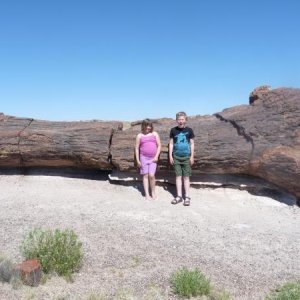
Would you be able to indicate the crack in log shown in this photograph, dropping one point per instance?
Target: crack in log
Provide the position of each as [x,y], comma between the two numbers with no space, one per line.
[240,131]
[19,141]
[109,156]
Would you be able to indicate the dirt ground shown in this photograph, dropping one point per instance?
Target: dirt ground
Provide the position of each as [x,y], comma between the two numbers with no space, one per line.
[246,244]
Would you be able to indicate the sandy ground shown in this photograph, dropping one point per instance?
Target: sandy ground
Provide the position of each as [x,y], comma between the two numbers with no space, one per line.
[245,244]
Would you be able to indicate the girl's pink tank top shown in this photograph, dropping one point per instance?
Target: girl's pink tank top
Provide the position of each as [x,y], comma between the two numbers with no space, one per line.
[148,145]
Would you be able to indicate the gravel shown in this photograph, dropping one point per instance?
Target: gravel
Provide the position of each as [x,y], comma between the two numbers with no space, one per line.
[246,244]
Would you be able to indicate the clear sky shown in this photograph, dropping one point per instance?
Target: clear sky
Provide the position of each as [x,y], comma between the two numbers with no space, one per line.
[133,59]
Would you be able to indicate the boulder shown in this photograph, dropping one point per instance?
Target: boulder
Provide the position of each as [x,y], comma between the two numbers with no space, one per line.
[29,271]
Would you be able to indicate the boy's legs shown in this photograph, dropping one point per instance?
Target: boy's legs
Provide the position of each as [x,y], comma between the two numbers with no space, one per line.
[187,172]
[178,172]
[179,186]
[186,183]
[183,172]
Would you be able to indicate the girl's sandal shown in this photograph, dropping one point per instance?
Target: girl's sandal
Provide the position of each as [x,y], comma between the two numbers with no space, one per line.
[176,200]
[187,201]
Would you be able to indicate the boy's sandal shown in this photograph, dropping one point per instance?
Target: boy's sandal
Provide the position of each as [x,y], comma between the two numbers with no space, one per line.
[187,201]
[176,200]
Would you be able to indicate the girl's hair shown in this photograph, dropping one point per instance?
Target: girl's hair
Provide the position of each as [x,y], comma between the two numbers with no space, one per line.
[181,114]
[145,124]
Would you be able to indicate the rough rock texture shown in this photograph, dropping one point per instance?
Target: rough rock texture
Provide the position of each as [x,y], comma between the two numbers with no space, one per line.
[261,139]
[33,143]
[259,92]
[271,125]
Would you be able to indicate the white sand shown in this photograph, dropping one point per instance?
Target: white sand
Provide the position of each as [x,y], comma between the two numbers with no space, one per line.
[245,244]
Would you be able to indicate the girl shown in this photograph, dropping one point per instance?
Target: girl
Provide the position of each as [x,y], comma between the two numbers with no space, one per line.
[147,149]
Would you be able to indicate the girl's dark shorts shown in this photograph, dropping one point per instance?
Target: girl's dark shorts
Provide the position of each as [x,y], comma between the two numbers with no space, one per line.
[182,166]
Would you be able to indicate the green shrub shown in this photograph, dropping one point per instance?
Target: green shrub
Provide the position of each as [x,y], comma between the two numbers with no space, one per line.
[289,291]
[190,283]
[58,251]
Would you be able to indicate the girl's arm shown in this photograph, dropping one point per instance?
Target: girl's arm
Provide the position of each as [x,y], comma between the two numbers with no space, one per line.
[158,146]
[137,149]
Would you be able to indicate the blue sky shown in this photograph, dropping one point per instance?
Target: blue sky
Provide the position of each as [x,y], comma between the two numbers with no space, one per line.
[133,59]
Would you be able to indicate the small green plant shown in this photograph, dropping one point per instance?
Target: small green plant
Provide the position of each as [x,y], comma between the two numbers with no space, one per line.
[188,283]
[289,291]
[58,251]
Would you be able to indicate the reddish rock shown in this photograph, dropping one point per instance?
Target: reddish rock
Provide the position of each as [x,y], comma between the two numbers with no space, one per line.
[29,272]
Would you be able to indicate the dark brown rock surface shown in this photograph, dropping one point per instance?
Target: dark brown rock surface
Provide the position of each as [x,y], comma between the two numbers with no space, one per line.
[33,143]
[261,139]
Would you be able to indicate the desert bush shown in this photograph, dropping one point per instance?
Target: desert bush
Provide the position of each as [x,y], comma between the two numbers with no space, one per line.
[6,269]
[188,283]
[58,251]
[289,291]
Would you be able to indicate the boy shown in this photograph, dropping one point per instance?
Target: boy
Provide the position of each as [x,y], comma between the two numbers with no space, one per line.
[181,156]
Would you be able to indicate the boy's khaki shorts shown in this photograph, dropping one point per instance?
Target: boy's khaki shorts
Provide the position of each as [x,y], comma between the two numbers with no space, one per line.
[182,166]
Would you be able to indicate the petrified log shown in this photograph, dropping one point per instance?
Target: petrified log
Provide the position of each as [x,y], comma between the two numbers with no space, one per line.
[272,127]
[261,139]
[27,142]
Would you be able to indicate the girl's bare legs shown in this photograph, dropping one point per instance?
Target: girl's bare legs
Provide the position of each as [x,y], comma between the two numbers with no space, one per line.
[179,186]
[152,185]
[186,183]
[146,186]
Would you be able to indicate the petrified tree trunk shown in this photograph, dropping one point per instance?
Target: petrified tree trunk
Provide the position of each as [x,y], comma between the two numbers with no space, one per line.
[33,143]
[261,139]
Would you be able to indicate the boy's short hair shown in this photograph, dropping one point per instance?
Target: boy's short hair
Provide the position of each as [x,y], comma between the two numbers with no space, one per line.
[181,114]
